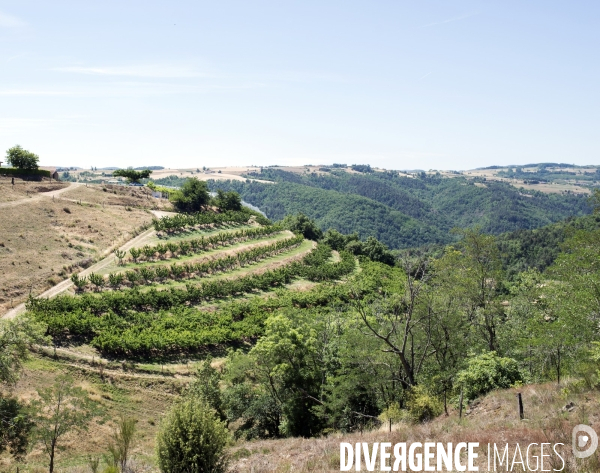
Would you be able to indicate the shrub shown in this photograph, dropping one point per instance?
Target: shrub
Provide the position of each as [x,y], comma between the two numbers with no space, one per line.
[487,372]
[120,255]
[191,439]
[97,280]
[115,280]
[79,282]
[422,406]
[135,253]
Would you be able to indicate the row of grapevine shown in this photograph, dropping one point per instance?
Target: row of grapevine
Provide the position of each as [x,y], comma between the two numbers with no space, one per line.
[148,275]
[198,245]
[159,323]
[179,222]
[152,300]
[161,333]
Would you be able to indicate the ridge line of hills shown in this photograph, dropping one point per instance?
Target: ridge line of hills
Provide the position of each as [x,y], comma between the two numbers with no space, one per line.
[400,211]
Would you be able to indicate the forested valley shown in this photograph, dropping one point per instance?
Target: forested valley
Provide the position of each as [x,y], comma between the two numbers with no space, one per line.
[402,211]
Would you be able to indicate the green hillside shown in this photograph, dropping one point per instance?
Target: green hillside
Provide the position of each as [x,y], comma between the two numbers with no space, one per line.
[402,211]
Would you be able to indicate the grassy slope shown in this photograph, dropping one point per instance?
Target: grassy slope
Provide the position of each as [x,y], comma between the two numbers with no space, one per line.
[25,189]
[39,239]
[494,419]
[146,395]
[117,391]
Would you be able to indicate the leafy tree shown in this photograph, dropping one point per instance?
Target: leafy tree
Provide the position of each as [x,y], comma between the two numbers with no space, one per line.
[191,439]
[228,200]
[372,249]
[15,427]
[570,306]
[473,272]
[303,225]
[255,408]
[60,408]
[21,158]
[336,240]
[206,386]
[16,336]
[132,175]
[395,308]
[362,168]
[192,197]
[360,378]
[487,372]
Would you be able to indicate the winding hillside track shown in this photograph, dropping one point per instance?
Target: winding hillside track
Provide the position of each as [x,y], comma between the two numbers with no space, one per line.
[109,259]
[40,196]
[67,283]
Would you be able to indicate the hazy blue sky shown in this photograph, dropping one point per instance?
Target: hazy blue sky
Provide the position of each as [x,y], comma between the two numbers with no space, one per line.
[397,84]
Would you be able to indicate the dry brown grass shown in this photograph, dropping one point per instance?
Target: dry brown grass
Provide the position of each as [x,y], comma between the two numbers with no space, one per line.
[24,189]
[143,399]
[493,420]
[548,188]
[42,241]
[107,195]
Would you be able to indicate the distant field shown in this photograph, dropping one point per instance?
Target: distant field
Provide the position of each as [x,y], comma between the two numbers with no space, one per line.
[558,183]
[222,173]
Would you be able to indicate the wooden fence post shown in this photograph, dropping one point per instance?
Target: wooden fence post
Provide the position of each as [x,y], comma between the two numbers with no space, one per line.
[520,406]
[460,406]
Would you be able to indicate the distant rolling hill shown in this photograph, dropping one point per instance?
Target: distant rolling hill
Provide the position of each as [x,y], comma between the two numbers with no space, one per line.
[404,211]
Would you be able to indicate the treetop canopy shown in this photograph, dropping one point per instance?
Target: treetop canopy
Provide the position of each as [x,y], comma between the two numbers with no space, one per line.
[21,158]
[132,175]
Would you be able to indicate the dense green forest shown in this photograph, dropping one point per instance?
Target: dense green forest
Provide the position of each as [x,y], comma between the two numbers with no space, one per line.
[523,250]
[403,212]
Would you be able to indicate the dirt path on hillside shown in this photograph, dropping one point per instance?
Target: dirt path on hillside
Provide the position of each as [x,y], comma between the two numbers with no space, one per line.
[39,196]
[66,284]
[104,367]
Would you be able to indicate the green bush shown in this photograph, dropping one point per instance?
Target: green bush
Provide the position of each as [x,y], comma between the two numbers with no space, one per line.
[191,439]
[422,406]
[487,372]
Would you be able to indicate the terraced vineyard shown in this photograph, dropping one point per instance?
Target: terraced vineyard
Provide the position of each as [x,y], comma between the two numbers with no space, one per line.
[171,294]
